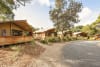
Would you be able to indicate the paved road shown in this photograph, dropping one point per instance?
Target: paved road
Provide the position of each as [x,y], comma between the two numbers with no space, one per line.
[71,54]
[81,54]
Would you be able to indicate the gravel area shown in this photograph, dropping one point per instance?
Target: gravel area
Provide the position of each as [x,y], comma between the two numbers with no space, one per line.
[20,55]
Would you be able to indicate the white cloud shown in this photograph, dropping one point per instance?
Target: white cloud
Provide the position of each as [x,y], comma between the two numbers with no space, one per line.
[86,12]
[43,2]
[87,16]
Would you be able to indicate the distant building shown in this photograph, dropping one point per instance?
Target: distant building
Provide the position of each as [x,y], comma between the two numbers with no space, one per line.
[76,34]
[42,34]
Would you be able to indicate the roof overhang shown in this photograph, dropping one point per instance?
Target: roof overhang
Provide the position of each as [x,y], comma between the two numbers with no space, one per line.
[21,23]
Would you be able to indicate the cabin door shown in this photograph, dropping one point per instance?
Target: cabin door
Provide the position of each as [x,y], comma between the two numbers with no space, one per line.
[3,32]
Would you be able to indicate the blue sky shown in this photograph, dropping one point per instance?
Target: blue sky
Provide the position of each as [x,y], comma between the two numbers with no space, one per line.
[37,13]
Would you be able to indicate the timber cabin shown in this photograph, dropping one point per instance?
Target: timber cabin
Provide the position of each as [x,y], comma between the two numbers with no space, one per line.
[13,32]
[42,34]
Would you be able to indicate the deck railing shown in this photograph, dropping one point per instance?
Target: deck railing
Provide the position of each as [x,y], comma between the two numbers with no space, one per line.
[6,40]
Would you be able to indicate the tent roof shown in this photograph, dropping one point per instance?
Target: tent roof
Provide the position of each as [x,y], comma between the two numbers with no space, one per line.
[44,30]
[21,23]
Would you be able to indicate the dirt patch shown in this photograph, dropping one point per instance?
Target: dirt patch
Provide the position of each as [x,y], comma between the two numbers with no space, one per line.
[20,55]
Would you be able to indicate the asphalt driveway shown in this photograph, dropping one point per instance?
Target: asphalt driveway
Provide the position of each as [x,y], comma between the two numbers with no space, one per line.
[81,54]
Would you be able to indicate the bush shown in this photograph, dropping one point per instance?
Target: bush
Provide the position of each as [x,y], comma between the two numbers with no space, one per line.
[57,39]
[53,39]
[33,43]
[66,38]
[44,41]
[69,38]
[75,38]
[82,38]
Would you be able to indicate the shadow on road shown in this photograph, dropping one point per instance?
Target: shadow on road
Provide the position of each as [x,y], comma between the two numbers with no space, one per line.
[82,54]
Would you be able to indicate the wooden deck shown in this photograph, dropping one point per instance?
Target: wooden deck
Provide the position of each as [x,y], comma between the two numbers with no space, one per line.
[14,39]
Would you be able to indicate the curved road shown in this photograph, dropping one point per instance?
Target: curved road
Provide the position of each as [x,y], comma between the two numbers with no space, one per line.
[82,54]
[71,54]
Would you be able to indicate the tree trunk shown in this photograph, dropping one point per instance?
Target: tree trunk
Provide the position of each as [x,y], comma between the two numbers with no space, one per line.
[62,36]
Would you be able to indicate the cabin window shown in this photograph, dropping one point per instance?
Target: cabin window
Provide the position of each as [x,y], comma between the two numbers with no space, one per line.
[3,32]
[16,33]
[29,33]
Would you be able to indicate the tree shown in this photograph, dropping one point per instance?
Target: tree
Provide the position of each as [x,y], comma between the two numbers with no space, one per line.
[96,26]
[33,28]
[65,14]
[88,29]
[77,28]
[7,6]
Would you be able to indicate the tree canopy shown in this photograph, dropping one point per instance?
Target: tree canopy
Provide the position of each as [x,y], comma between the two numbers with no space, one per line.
[77,28]
[96,25]
[65,13]
[6,7]
[91,29]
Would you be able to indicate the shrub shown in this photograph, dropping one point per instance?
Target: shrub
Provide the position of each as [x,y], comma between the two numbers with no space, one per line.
[53,39]
[66,38]
[44,41]
[33,43]
[69,38]
[81,38]
[74,38]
